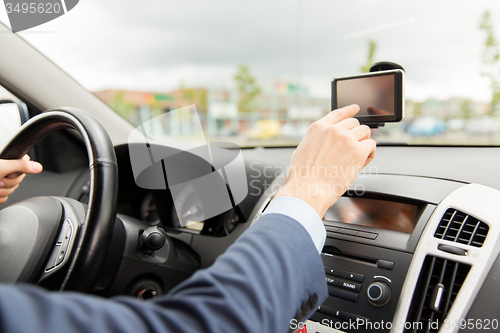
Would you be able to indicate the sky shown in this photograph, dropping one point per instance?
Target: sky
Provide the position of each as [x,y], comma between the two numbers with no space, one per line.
[154,45]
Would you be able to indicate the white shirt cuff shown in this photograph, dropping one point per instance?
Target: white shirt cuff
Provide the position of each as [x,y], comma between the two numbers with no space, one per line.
[303,213]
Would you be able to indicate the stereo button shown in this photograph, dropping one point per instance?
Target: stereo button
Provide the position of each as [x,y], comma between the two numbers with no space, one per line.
[385,264]
[323,309]
[338,314]
[353,276]
[351,286]
[343,294]
[360,321]
[333,271]
[333,281]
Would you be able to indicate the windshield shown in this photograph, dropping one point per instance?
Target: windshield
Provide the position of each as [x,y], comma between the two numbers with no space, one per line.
[259,72]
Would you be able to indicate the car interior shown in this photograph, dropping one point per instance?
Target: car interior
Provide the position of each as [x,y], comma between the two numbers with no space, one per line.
[415,240]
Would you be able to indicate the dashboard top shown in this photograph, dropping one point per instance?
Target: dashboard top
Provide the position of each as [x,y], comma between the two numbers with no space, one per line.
[460,164]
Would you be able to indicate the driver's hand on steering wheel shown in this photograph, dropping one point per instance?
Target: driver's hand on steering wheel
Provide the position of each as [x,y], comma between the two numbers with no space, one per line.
[12,173]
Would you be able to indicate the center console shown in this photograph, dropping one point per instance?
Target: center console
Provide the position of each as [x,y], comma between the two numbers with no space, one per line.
[367,253]
[411,263]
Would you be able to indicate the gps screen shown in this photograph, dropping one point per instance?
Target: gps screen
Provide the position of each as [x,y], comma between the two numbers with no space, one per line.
[373,94]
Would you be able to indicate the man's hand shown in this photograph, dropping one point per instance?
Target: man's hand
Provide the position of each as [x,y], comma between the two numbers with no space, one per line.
[12,173]
[328,159]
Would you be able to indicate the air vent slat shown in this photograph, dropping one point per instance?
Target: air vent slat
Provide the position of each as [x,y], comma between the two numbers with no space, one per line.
[448,223]
[459,227]
[446,302]
[429,306]
[441,274]
[423,284]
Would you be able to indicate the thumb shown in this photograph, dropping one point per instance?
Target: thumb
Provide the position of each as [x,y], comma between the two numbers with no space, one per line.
[8,167]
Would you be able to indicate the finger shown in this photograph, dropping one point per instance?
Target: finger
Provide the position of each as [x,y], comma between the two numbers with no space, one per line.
[17,174]
[361,132]
[8,167]
[8,183]
[340,114]
[14,175]
[370,147]
[348,123]
[5,192]
[369,159]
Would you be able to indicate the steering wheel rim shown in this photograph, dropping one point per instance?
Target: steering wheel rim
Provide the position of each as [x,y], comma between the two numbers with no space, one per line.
[96,231]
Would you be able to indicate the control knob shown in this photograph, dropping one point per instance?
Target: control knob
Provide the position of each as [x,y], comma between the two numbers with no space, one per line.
[378,293]
[153,238]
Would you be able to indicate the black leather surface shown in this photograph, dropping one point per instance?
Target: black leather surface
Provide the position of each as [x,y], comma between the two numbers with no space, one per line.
[27,234]
[92,246]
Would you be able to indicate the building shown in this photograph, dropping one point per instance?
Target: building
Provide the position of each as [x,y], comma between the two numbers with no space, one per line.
[218,108]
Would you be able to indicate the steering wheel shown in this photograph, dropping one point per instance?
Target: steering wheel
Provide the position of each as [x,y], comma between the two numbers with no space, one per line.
[45,234]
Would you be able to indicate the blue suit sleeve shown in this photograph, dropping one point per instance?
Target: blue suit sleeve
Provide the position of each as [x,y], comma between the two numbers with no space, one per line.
[271,274]
[304,214]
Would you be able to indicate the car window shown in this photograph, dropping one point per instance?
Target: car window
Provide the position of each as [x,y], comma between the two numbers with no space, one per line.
[260,72]
[10,118]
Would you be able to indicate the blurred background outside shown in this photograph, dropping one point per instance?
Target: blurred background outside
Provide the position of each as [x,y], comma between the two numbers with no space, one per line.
[259,73]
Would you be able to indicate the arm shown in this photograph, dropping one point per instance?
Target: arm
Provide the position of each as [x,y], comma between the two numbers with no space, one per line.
[271,274]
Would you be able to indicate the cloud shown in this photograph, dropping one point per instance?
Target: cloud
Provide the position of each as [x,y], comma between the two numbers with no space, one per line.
[156,44]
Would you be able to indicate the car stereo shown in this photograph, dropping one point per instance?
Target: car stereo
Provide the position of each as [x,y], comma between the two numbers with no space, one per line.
[369,247]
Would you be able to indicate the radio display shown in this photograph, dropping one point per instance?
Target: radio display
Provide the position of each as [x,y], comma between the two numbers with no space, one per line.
[375,213]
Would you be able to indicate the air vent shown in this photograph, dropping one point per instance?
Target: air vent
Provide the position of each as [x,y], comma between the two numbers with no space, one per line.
[440,281]
[461,228]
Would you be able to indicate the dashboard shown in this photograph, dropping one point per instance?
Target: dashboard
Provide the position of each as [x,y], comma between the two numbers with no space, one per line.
[415,240]
[406,245]
[413,246]
[410,243]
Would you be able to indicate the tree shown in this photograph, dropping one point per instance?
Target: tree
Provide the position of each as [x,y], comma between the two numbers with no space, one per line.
[372,47]
[491,60]
[466,109]
[417,109]
[119,103]
[195,96]
[248,89]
